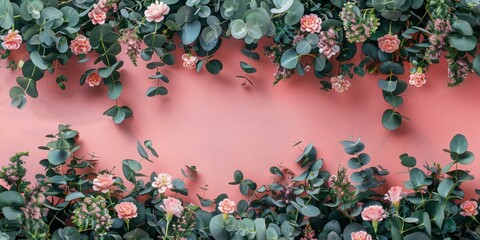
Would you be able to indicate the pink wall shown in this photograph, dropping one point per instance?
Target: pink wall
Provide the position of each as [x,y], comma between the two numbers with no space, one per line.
[217,125]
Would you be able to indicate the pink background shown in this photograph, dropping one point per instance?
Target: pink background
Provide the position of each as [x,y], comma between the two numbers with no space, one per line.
[217,125]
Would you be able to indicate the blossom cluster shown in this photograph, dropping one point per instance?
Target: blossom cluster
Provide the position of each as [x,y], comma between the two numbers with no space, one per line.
[93,213]
[14,172]
[341,187]
[327,45]
[358,28]
[440,30]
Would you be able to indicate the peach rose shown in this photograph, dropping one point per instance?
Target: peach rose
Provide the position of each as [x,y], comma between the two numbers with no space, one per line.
[189,61]
[361,235]
[311,23]
[93,79]
[162,182]
[469,208]
[12,40]
[156,11]
[417,79]
[388,43]
[340,84]
[374,213]
[226,206]
[103,183]
[394,195]
[97,14]
[126,210]
[172,206]
[80,45]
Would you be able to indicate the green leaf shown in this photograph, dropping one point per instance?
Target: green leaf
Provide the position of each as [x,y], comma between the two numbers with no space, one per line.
[70,15]
[29,85]
[141,151]
[214,66]
[11,199]
[11,214]
[247,68]
[294,13]
[446,187]
[190,32]
[476,65]
[358,162]
[417,236]
[303,47]
[391,119]
[463,43]
[310,211]
[289,59]
[427,224]
[119,116]
[153,91]
[51,13]
[115,89]
[408,161]
[281,6]
[458,144]
[74,195]
[38,60]
[107,71]
[6,14]
[238,28]
[391,67]
[466,158]
[136,234]
[388,86]
[353,148]
[155,40]
[462,27]
[17,95]
[58,156]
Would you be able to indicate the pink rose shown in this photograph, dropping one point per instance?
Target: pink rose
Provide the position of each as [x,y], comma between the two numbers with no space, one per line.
[172,206]
[189,61]
[162,182]
[103,183]
[126,210]
[361,235]
[394,195]
[93,79]
[156,11]
[311,23]
[469,208]
[340,84]
[374,213]
[417,79]
[98,14]
[226,206]
[12,40]
[80,45]
[388,43]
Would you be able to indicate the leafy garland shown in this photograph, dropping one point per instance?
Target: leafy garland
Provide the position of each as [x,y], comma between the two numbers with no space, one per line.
[70,200]
[307,35]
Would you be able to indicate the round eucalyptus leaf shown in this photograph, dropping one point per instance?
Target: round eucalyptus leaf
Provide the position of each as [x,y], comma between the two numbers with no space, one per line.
[463,43]
[281,6]
[303,47]
[294,13]
[214,66]
[58,156]
[462,27]
[391,119]
[190,32]
[289,59]
[476,65]
[238,28]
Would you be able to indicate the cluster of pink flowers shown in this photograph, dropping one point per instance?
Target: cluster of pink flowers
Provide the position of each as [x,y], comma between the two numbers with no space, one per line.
[341,187]
[34,209]
[172,207]
[133,42]
[327,45]
[103,183]
[93,79]
[340,84]
[358,28]
[283,74]
[93,213]
[458,69]
[311,23]
[361,235]
[13,172]
[162,182]
[80,45]
[394,195]
[156,12]
[98,14]
[187,220]
[469,209]
[388,43]
[308,233]
[440,30]
[189,61]
[12,40]
[126,210]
